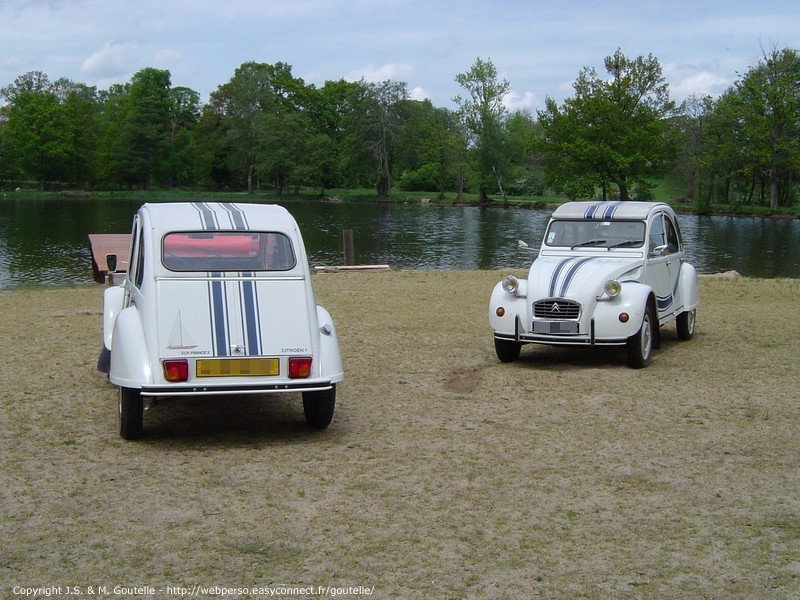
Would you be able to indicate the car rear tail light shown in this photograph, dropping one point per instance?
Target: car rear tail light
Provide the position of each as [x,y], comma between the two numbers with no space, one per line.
[176,370]
[299,367]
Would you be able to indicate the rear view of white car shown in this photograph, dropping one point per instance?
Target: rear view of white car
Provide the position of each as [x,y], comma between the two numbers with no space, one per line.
[607,274]
[217,300]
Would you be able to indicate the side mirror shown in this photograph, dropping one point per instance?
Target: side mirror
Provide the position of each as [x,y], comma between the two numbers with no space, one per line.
[522,246]
[111,262]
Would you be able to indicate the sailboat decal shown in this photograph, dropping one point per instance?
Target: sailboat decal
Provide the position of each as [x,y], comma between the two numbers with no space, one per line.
[179,339]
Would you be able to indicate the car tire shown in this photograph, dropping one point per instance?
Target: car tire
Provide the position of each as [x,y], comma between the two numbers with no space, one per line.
[318,407]
[507,351]
[685,324]
[640,345]
[131,413]
[104,361]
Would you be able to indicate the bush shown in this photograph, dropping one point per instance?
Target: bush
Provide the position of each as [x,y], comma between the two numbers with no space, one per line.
[423,179]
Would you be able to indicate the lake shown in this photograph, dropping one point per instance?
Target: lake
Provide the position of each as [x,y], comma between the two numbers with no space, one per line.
[44,242]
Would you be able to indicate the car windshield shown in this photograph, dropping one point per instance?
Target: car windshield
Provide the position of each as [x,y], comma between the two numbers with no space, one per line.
[227,251]
[589,233]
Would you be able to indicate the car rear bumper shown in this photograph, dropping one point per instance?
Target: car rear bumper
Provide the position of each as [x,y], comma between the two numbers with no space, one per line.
[217,390]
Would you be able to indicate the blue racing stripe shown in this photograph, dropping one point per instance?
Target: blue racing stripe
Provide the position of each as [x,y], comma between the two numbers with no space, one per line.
[552,290]
[207,217]
[237,216]
[219,319]
[251,321]
[612,208]
[571,274]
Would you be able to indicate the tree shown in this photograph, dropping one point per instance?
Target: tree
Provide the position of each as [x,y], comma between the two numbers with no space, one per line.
[426,148]
[246,95]
[482,112]
[80,109]
[381,126]
[144,140]
[770,117]
[613,131]
[36,132]
[35,82]
[184,114]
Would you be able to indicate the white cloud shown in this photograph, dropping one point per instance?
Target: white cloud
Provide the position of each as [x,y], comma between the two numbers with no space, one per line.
[514,102]
[417,93]
[377,73]
[112,60]
[699,84]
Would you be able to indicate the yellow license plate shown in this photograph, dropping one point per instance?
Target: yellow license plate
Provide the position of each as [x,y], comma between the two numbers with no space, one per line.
[237,367]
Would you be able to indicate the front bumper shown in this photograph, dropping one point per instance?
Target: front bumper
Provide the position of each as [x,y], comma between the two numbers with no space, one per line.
[523,336]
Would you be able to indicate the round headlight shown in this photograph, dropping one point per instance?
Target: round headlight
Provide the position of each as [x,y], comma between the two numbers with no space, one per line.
[510,284]
[612,288]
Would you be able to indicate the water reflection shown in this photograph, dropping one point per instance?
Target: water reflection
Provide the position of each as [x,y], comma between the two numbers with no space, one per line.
[45,242]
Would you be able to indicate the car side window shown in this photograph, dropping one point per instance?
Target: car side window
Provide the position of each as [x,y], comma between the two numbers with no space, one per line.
[132,254]
[673,245]
[657,236]
[140,263]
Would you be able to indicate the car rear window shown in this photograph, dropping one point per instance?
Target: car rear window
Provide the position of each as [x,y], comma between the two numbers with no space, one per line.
[227,251]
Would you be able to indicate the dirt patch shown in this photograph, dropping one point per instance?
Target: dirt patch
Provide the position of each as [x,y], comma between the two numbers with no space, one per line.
[445,474]
[464,380]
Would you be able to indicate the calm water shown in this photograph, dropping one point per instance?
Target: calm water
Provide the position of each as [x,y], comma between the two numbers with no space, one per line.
[45,242]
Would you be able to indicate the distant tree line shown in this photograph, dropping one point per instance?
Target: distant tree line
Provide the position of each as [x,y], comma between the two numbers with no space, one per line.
[267,129]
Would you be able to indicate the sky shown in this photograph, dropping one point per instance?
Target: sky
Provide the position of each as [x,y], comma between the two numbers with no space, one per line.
[539,47]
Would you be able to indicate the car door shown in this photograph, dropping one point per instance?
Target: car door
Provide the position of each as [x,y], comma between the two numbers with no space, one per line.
[663,263]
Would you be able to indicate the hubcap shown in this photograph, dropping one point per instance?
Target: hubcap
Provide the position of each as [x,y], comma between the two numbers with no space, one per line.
[646,338]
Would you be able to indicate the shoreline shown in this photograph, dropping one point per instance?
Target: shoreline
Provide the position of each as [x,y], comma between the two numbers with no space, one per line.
[367,196]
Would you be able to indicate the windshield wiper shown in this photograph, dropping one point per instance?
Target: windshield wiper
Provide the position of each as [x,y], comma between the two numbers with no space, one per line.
[588,243]
[626,243]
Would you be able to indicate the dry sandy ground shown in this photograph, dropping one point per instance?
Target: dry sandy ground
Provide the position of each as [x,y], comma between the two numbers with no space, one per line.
[445,474]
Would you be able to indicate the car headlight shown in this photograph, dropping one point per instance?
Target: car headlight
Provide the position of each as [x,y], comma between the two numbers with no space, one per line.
[612,288]
[510,284]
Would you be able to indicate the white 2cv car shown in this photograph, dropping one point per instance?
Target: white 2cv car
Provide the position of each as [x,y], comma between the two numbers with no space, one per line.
[607,274]
[217,300]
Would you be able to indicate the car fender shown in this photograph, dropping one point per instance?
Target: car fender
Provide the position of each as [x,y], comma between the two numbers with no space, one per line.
[330,357]
[130,361]
[689,289]
[513,306]
[632,300]
[113,298]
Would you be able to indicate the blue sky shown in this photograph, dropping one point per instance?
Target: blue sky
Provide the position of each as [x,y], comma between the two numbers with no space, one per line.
[703,46]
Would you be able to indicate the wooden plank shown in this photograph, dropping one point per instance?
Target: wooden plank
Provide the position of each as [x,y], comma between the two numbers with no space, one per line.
[353,269]
[101,244]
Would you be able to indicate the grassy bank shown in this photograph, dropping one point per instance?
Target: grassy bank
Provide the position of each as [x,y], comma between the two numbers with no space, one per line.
[445,474]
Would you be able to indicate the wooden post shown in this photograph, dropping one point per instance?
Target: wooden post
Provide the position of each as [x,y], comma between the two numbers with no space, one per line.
[349,249]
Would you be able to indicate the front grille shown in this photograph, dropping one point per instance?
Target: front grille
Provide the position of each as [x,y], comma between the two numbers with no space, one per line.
[555,308]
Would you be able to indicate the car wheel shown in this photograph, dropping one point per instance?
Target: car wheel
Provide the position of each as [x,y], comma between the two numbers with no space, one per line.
[685,324]
[640,345]
[131,413]
[507,351]
[318,407]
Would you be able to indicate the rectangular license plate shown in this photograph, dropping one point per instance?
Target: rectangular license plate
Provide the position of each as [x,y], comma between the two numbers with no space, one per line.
[555,327]
[237,367]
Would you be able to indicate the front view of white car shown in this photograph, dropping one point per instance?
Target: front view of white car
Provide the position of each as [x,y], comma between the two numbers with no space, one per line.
[607,274]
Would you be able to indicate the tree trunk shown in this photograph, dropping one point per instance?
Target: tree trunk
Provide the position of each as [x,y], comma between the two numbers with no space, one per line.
[623,190]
